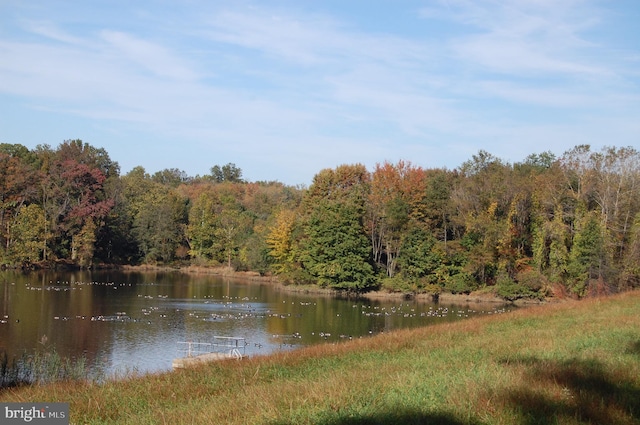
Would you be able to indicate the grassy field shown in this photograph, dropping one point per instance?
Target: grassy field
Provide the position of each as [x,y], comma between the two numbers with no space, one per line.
[564,363]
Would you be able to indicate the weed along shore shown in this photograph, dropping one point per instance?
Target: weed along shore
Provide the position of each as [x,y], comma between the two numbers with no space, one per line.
[573,362]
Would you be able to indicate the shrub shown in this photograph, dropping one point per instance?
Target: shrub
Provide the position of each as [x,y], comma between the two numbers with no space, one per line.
[296,276]
[532,279]
[397,284]
[511,290]
[461,283]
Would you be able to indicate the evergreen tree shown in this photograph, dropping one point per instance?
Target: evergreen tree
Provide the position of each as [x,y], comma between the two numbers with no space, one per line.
[336,251]
[418,257]
[587,259]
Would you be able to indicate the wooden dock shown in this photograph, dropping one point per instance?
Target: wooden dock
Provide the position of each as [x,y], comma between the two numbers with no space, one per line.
[222,348]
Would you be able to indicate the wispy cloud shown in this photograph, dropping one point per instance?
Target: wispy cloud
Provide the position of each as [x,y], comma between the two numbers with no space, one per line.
[151,56]
[50,31]
[364,76]
[525,37]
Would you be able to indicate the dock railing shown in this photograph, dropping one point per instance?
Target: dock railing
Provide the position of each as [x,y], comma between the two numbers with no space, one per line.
[229,345]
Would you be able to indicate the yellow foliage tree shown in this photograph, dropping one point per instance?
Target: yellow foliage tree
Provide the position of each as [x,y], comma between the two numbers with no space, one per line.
[28,232]
[280,241]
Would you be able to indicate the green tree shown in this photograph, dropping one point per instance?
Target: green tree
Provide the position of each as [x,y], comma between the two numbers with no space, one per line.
[587,259]
[114,241]
[17,151]
[418,257]
[438,207]
[481,240]
[219,225]
[255,253]
[397,220]
[536,163]
[227,173]
[158,216]
[550,246]
[336,252]
[28,235]
[171,177]
[202,227]
[483,198]
[234,226]
[335,249]
[159,226]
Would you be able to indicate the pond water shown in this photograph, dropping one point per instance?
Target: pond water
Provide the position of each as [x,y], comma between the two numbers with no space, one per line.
[132,322]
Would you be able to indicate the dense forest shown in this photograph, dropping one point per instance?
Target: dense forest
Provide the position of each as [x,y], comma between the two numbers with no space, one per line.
[546,225]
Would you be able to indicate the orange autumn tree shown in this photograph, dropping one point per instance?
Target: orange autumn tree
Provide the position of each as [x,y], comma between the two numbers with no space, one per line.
[395,200]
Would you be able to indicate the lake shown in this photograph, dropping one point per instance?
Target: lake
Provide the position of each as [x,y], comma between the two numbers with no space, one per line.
[125,322]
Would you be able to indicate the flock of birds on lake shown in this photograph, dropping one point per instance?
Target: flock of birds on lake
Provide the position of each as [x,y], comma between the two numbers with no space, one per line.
[209,308]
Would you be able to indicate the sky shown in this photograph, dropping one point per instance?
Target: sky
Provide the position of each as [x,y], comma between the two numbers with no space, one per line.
[286,88]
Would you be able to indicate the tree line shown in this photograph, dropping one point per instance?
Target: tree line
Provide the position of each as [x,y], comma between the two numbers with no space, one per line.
[542,226]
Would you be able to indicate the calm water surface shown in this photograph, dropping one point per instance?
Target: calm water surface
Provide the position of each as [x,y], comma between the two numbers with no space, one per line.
[124,322]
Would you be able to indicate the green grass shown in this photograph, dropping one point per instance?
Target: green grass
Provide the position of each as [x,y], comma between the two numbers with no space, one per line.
[565,363]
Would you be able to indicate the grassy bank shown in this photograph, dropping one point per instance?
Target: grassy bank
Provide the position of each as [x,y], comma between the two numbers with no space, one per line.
[566,363]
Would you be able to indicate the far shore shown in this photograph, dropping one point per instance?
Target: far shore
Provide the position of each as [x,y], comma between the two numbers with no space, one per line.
[477,297]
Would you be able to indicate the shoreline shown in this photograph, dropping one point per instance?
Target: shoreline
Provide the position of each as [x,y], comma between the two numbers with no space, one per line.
[477,297]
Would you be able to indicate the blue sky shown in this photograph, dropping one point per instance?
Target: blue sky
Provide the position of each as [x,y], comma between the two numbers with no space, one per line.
[286,88]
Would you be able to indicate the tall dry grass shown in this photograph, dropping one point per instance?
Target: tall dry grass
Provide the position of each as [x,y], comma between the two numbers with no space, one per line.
[568,363]
[40,367]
